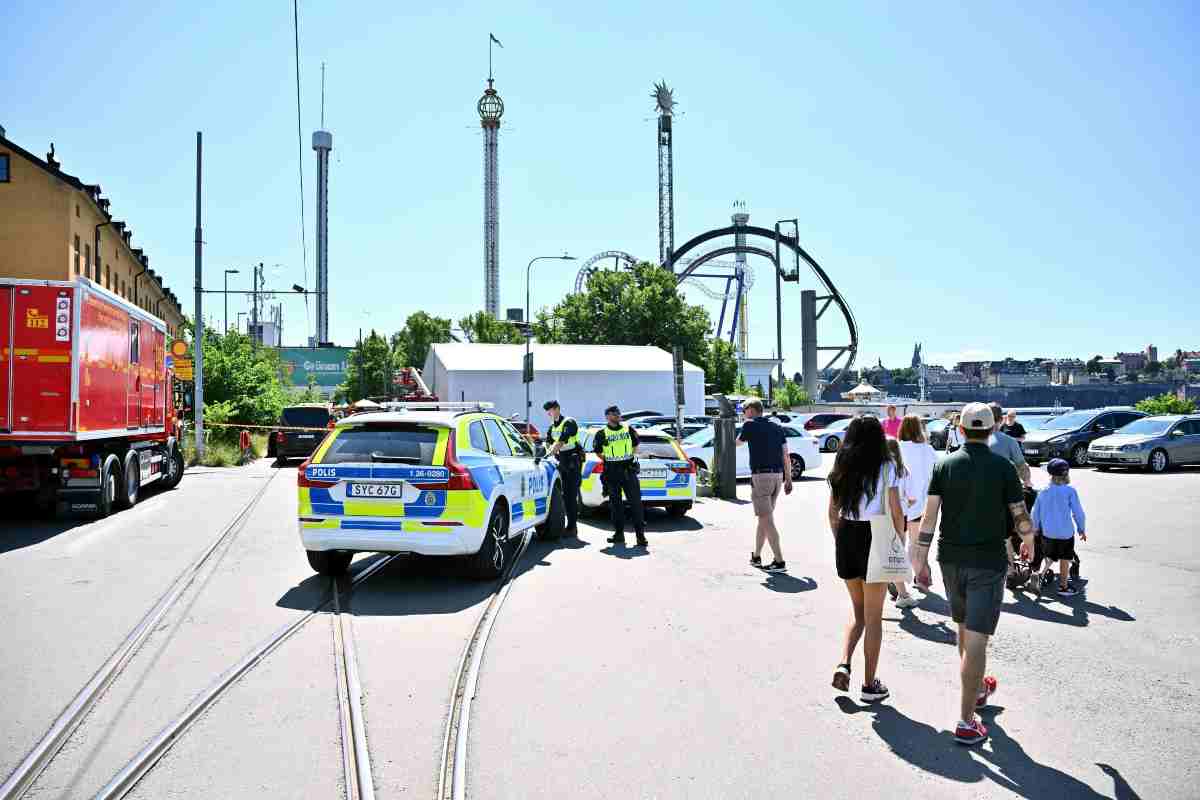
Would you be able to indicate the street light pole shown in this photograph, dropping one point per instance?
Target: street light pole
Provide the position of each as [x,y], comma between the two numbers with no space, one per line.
[228,272]
[529,327]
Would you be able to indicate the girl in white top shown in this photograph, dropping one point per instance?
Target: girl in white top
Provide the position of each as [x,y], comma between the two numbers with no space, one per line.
[919,459]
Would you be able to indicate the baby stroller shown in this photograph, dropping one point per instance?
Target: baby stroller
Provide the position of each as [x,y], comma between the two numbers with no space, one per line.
[1028,574]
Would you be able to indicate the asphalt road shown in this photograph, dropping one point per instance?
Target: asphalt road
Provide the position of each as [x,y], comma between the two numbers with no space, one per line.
[682,672]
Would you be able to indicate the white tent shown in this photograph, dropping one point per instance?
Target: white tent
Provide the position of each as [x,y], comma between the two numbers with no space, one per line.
[585,379]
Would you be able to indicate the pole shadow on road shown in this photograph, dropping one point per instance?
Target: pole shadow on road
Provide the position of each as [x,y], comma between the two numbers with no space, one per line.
[1001,759]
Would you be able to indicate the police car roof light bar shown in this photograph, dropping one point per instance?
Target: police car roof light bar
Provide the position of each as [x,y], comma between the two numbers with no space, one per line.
[401,405]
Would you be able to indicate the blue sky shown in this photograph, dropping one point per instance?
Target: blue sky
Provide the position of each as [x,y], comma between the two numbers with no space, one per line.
[991,179]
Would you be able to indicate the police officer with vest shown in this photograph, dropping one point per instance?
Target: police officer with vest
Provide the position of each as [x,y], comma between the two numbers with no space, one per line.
[563,440]
[616,444]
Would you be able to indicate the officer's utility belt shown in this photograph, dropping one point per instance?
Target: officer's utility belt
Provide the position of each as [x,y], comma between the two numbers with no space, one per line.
[574,452]
[611,460]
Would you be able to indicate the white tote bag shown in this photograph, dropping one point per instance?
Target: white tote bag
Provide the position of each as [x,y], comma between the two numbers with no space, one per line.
[888,560]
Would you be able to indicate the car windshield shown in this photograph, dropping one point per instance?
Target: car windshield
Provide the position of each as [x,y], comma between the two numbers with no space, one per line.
[1068,422]
[1034,422]
[387,444]
[1147,426]
[305,417]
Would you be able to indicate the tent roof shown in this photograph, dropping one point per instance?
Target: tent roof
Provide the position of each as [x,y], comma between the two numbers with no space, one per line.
[865,388]
[466,357]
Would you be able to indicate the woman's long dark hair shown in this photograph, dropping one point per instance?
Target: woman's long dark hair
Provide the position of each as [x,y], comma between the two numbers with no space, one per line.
[859,461]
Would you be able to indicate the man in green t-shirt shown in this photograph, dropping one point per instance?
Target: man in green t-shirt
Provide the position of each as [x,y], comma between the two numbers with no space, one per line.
[974,489]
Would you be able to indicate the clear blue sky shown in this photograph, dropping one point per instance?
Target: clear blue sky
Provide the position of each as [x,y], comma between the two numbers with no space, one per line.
[1038,163]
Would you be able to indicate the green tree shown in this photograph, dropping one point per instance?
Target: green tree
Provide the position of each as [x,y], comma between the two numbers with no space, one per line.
[410,345]
[1132,376]
[1166,404]
[904,375]
[790,394]
[369,373]
[1153,368]
[482,328]
[242,382]
[757,390]
[1110,374]
[641,306]
[739,384]
[1093,365]
[720,368]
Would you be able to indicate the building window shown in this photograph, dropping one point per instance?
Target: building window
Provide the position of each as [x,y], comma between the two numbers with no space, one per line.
[4,178]
[107,276]
[134,350]
[87,260]
[76,254]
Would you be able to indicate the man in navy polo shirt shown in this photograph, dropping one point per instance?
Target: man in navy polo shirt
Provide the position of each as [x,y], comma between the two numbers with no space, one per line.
[768,473]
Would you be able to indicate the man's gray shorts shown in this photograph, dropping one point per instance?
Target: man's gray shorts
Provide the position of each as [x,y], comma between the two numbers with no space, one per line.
[975,595]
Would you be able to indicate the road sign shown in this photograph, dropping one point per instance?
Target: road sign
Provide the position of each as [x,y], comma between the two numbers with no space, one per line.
[185,375]
[179,348]
[170,361]
[184,363]
[527,372]
[677,358]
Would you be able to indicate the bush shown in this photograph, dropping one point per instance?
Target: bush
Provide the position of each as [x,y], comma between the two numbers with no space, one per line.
[1166,404]
[789,394]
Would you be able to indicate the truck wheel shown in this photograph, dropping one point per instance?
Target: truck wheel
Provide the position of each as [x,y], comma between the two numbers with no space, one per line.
[174,468]
[131,482]
[329,562]
[489,562]
[109,483]
[556,519]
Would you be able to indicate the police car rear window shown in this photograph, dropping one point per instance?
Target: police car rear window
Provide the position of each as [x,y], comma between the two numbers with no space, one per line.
[656,448]
[410,445]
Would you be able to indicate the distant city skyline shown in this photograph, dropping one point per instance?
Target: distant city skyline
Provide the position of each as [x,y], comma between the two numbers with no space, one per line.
[991,181]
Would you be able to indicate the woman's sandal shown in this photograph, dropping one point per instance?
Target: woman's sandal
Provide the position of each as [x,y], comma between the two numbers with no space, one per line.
[841,678]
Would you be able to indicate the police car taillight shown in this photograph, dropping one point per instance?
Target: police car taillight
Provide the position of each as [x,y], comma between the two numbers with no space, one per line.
[460,476]
[303,481]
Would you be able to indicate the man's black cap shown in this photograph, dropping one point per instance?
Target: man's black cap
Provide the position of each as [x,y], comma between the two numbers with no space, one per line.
[612,410]
[549,404]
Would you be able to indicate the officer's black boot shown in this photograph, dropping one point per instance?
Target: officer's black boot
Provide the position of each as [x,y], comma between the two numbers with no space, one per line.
[617,538]
[641,539]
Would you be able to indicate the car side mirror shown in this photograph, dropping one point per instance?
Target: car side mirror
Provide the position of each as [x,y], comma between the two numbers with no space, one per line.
[1177,432]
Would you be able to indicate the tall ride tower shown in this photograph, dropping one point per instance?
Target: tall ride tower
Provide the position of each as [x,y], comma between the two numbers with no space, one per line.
[322,142]
[665,105]
[491,108]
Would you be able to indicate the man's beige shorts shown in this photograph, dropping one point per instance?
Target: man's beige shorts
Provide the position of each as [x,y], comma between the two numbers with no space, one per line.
[764,491]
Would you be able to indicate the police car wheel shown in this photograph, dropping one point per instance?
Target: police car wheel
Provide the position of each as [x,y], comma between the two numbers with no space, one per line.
[329,562]
[489,562]
[556,520]
[679,509]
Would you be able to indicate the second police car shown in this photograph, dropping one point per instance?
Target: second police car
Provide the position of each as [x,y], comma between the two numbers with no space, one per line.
[450,480]
[667,477]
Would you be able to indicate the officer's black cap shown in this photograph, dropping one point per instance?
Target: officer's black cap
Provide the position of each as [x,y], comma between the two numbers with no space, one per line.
[549,404]
[612,410]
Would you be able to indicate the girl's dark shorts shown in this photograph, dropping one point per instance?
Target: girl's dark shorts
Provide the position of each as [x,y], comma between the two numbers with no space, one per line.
[852,547]
[1058,549]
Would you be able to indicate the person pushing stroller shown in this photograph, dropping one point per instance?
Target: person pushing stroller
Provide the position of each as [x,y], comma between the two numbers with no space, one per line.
[1058,515]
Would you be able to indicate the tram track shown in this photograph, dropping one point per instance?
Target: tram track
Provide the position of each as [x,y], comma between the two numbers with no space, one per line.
[68,721]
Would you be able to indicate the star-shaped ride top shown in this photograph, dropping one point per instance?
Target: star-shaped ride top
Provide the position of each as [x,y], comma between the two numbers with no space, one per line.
[663,98]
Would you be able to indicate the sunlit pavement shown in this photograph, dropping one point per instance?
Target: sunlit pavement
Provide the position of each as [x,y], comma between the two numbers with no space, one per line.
[678,672]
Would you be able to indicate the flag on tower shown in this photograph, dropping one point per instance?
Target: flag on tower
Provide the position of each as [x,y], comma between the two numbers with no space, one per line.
[494,39]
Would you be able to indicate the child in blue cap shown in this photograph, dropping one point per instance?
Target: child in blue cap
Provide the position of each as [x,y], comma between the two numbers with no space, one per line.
[1058,516]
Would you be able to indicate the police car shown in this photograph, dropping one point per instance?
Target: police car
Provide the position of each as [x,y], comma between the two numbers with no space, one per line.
[441,479]
[667,477]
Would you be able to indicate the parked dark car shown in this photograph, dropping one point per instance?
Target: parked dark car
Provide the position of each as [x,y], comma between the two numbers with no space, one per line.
[1068,436]
[285,444]
[816,422]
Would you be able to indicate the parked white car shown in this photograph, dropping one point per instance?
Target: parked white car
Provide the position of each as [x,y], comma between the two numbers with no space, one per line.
[667,478]
[802,447]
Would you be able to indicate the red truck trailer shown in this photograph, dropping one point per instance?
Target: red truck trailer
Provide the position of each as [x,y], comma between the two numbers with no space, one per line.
[87,415]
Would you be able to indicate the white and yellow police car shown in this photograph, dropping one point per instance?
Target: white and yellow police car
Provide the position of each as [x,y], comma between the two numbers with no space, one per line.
[443,479]
[667,477]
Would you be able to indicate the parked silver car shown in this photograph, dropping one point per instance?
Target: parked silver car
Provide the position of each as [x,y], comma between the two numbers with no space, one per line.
[1153,443]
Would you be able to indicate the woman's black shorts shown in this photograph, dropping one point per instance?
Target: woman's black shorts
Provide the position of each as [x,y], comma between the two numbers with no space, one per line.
[853,547]
[1058,549]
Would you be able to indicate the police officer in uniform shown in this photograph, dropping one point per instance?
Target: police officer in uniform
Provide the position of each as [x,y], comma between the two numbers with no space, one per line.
[616,444]
[563,440]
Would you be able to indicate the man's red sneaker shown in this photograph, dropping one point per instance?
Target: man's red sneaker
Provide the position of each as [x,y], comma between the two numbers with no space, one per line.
[990,684]
[970,733]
